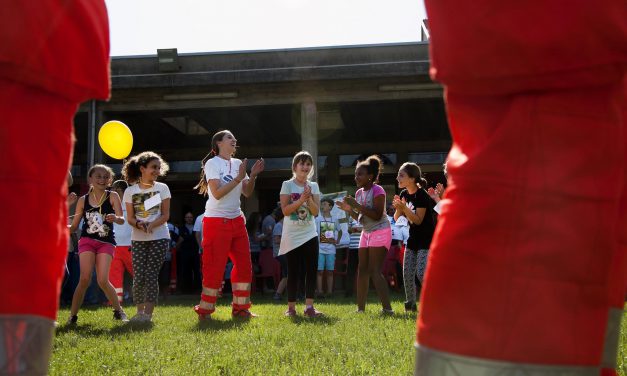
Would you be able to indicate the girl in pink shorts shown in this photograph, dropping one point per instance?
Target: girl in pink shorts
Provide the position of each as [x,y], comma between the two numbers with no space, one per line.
[98,209]
[368,207]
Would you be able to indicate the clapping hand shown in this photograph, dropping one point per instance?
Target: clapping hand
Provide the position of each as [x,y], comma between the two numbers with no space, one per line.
[439,189]
[306,193]
[241,173]
[398,203]
[257,167]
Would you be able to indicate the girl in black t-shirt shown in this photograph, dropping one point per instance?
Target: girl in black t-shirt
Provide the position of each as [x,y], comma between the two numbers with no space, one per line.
[98,209]
[415,205]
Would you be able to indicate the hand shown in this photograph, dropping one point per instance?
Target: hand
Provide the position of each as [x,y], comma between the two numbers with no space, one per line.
[306,193]
[149,226]
[344,206]
[258,167]
[352,202]
[433,194]
[241,174]
[71,198]
[110,218]
[439,188]
[141,225]
[398,203]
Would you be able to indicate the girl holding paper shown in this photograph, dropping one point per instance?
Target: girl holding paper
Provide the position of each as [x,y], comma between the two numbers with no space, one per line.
[414,205]
[148,210]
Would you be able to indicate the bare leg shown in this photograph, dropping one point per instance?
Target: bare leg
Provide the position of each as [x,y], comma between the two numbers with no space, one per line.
[87,261]
[363,279]
[103,264]
[377,257]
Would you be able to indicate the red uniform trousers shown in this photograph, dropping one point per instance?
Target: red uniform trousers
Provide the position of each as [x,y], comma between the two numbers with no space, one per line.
[527,269]
[225,238]
[122,260]
[53,55]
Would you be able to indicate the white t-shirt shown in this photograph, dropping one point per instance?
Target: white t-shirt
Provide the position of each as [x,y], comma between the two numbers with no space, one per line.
[225,171]
[300,226]
[138,196]
[122,232]
[198,228]
[345,240]
[328,230]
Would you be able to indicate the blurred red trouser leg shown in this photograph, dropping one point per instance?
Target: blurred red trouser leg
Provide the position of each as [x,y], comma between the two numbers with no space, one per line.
[36,144]
[519,276]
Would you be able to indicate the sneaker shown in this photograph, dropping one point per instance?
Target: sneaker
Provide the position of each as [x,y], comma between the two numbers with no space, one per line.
[242,313]
[291,312]
[311,312]
[72,320]
[276,297]
[410,307]
[387,312]
[141,317]
[120,315]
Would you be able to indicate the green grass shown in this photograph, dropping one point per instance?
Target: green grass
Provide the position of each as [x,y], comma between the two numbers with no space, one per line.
[342,343]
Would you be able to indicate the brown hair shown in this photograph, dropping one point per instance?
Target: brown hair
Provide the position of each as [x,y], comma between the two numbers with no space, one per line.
[413,171]
[131,172]
[303,156]
[215,150]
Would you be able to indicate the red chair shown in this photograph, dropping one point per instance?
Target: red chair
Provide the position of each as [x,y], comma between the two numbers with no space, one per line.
[269,267]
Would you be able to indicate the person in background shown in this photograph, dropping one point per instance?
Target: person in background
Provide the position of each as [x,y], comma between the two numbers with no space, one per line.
[276,245]
[187,258]
[354,229]
[267,225]
[329,232]
[122,259]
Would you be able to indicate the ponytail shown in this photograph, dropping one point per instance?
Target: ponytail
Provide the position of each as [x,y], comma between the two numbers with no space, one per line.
[202,183]
[373,165]
[423,182]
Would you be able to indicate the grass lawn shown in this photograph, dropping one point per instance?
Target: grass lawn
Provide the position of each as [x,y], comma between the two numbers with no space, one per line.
[342,343]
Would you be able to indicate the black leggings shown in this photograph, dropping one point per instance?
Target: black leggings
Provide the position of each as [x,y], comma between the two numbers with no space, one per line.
[307,256]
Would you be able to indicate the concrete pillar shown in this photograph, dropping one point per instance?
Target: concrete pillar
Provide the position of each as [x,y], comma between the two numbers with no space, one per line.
[96,117]
[309,131]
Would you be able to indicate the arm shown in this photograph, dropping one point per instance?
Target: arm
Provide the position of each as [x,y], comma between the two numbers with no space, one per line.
[78,214]
[313,203]
[249,185]
[288,208]
[415,218]
[118,217]
[347,208]
[198,238]
[219,192]
[130,216]
[376,212]
[163,218]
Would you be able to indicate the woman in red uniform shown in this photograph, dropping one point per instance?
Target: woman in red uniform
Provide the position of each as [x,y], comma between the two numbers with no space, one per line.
[53,55]
[532,230]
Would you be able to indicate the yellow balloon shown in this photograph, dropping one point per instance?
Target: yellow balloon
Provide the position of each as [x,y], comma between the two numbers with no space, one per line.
[115,139]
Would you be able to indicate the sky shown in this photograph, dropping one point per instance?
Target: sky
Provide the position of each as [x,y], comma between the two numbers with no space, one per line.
[140,27]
